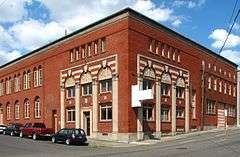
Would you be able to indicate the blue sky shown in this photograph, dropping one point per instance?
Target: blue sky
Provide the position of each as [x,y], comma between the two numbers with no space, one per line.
[28,24]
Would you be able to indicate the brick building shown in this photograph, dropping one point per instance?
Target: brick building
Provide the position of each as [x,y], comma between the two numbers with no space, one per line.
[85,78]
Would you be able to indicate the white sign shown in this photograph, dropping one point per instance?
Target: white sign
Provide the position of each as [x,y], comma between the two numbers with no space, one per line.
[138,95]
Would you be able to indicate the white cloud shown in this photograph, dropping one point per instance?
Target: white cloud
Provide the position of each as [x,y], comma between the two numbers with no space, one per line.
[8,56]
[177,22]
[11,11]
[219,35]
[188,3]
[31,34]
[232,55]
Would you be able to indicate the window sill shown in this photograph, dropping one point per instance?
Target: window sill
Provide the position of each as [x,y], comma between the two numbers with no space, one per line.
[70,122]
[105,92]
[105,121]
[88,95]
[149,121]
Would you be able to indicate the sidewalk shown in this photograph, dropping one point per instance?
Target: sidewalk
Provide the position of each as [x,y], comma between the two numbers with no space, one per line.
[102,143]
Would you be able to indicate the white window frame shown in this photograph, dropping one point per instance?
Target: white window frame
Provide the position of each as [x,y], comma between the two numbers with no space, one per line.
[209,83]
[35,78]
[1,88]
[220,86]
[230,90]
[40,77]
[166,116]
[72,113]
[17,110]
[72,95]
[108,86]
[179,92]
[87,86]
[179,113]
[215,85]
[37,108]
[211,107]
[8,108]
[26,109]
[165,89]
[17,84]
[149,84]
[225,88]
[103,45]
[106,107]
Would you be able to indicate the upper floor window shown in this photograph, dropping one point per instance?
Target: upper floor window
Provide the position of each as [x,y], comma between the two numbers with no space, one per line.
[77,54]
[8,86]
[230,90]
[83,51]
[151,45]
[211,108]
[103,44]
[1,88]
[95,47]
[225,88]
[234,91]
[87,89]
[70,92]
[215,85]
[71,55]
[220,86]
[17,83]
[106,85]
[26,80]
[148,112]
[37,75]
[179,92]
[89,49]
[165,89]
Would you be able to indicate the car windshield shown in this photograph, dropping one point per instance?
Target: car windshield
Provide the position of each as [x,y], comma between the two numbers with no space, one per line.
[39,125]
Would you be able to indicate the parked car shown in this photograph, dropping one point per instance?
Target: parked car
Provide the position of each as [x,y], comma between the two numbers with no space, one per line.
[2,128]
[13,129]
[36,130]
[70,136]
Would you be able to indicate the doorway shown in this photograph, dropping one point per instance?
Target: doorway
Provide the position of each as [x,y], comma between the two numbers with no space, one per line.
[87,123]
[54,121]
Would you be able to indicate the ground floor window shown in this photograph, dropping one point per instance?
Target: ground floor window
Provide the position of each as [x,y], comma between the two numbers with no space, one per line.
[231,111]
[148,112]
[180,113]
[211,107]
[71,115]
[165,114]
[8,111]
[106,112]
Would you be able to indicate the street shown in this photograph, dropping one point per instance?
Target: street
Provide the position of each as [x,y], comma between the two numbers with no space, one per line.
[213,144]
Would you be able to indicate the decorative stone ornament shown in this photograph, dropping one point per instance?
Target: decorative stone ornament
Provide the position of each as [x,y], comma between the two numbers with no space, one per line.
[70,82]
[105,73]
[180,82]
[86,78]
[166,78]
[149,72]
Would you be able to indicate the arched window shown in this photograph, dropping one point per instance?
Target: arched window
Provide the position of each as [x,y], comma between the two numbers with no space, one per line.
[180,86]
[26,109]
[17,110]
[8,110]
[86,82]
[70,87]
[37,108]
[40,76]
[105,80]
[165,84]
[148,76]
[35,77]
[26,80]
[209,83]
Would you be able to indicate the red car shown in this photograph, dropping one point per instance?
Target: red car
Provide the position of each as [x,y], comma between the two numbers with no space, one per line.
[36,131]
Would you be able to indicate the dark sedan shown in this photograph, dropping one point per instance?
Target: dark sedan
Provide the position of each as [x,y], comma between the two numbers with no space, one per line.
[70,136]
[13,129]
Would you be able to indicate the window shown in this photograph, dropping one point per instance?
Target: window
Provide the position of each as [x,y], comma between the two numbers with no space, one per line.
[225,88]
[77,53]
[89,50]
[193,104]
[106,85]
[211,107]
[178,59]
[220,86]
[209,83]
[148,112]
[8,86]
[147,84]
[1,88]
[103,45]
[71,56]
[151,45]
[26,109]
[35,77]
[165,89]
[17,111]
[229,90]
[231,111]
[83,51]
[179,92]
[165,114]
[215,85]
[26,80]
[71,115]
[37,108]
[87,89]
[70,92]
[17,84]
[209,65]
[95,47]
[8,108]
[234,91]
[106,112]
[40,76]
[180,113]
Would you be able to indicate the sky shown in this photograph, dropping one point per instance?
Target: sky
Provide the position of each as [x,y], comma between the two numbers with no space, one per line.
[26,25]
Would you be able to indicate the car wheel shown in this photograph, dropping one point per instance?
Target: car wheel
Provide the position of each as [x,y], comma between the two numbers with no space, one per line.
[34,137]
[12,133]
[21,134]
[54,140]
[67,142]
[4,132]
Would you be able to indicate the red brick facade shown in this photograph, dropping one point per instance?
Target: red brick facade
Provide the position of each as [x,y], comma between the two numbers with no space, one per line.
[127,43]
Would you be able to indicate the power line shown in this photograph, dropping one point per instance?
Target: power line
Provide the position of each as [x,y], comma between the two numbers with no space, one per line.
[230,20]
[229,32]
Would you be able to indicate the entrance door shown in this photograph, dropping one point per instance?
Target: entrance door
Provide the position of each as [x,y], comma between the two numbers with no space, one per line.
[87,127]
[1,116]
[54,121]
[221,116]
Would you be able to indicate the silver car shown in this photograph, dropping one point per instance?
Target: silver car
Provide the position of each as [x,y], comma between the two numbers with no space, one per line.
[2,128]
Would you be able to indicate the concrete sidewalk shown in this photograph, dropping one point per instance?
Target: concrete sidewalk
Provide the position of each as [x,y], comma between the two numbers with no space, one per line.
[103,143]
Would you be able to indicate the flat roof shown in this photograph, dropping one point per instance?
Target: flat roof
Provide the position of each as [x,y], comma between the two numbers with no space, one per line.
[132,13]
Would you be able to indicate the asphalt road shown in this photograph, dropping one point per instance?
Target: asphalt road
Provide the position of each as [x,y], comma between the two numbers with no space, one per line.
[207,145]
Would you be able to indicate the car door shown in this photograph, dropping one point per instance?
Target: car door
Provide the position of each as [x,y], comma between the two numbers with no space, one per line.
[60,135]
